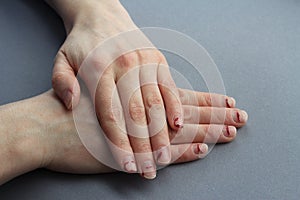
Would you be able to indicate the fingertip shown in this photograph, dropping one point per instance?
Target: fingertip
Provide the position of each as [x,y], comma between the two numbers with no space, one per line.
[178,121]
[230,102]
[163,156]
[200,149]
[148,170]
[129,164]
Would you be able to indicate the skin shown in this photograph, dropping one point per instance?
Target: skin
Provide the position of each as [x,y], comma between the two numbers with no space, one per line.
[91,21]
[47,137]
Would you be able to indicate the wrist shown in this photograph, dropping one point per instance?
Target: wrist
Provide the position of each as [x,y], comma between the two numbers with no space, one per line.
[19,153]
[89,13]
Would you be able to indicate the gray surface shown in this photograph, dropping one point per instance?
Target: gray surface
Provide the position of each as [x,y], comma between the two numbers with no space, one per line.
[255,43]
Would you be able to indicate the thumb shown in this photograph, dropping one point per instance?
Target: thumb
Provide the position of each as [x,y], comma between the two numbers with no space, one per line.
[64,81]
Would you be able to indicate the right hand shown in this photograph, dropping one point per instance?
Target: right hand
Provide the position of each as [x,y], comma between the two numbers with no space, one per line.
[64,151]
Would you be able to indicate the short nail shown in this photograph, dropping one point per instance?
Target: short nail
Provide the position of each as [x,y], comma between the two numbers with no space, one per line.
[178,122]
[243,116]
[148,170]
[229,131]
[67,98]
[129,165]
[230,102]
[240,116]
[163,156]
[200,149]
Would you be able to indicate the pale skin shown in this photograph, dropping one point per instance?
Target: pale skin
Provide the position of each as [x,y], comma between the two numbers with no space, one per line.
[40,133]
[90,23]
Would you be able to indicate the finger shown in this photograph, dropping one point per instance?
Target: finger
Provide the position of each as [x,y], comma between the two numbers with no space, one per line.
[139,136]
[110,116]
[209,115]
[194,133]
[135,117]
[155,111]
[64,82]
[188,152]
[194,98]
[170,96]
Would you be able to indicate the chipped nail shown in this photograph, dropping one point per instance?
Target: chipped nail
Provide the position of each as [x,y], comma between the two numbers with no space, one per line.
[200,149]
[148,170]
[230,102]
[178,122]
[129,165]
[163,156]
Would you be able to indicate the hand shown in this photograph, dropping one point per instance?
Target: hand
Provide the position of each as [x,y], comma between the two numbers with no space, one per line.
[151,85]
[187,145]
[48,137]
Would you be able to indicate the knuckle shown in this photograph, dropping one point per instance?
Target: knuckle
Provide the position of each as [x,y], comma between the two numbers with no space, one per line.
[143,146]
[137,112]
[160,57]
[208,99]
[123,144]
[205,129]
[95,61]
[153,99]
[128,60]
[57,78]
[113,115]
[167,84]
[151,56]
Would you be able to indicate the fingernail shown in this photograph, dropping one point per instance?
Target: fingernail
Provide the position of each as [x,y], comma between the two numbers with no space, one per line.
[230,102]
[148,170]
[178,122]
[243,116]
[163,156]
[240,116]
[129,165]
[229,131]
[200,149]
[67,98]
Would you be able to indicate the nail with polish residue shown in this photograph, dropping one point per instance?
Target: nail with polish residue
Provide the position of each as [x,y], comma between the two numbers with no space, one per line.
[240,116]
[148,170]
[129,165]
[229,131]
[230,102]
[163,156]
[200,149]
[178,122]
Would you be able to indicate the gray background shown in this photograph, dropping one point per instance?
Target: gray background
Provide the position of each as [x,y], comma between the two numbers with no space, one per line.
[255,43]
